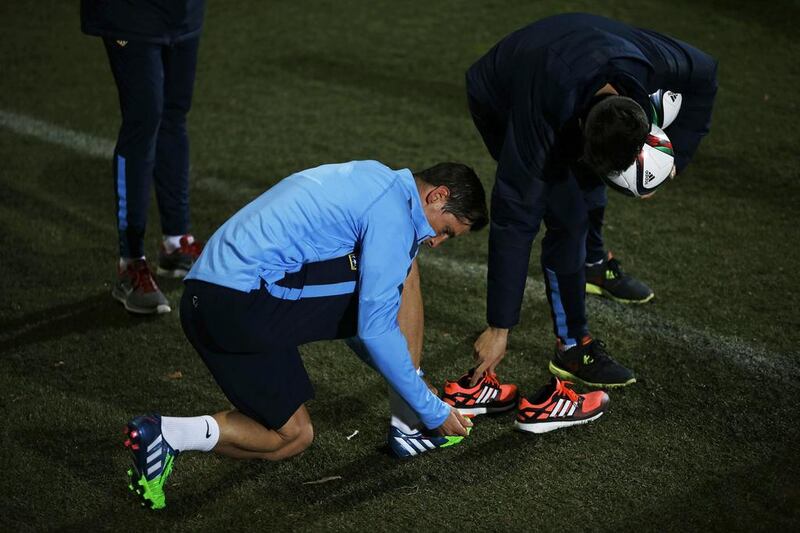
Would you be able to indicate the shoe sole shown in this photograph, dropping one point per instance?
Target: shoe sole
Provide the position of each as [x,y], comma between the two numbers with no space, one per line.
[159,310]
[544,427]
[567,376]
[176,274]
[597,290]
[475,411]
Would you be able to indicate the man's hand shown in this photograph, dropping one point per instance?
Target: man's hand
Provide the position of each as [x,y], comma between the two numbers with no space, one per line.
[456,424]
[490,348]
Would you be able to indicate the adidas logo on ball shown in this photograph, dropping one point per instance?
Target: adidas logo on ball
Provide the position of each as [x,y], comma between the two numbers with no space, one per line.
[651,168]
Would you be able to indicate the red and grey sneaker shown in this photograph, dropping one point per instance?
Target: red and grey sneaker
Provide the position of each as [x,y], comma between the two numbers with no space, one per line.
[176,264]
[136,289]
[487,396]
[556,406]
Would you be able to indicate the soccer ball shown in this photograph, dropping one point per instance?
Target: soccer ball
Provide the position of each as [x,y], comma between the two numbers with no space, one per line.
[651,170]
[665,107]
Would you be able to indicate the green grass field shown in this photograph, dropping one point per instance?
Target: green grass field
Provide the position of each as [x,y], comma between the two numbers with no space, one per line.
[707,439]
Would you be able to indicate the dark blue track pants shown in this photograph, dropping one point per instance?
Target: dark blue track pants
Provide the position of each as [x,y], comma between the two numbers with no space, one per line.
[573,236]
[155,85]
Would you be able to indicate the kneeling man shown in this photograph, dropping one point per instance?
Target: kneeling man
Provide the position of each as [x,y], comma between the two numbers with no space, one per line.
[321,255]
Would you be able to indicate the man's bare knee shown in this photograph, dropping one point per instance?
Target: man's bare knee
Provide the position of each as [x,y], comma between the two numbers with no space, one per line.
[298,430]
[306,436]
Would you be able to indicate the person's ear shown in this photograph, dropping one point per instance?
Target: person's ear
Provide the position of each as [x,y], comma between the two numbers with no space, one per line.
[438,194]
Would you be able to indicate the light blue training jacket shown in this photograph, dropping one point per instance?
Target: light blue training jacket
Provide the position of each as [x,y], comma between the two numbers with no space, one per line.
[327,212]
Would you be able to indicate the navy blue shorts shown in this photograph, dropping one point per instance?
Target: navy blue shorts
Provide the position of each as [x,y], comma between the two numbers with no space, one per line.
[249,340]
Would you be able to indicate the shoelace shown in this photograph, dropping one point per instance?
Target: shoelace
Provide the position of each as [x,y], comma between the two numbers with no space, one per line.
[141,276]
[491,379]
[561,388]
[193,248]
[598,351]
[614,266]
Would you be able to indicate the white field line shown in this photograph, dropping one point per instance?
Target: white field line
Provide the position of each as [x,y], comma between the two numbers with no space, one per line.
[74,140]
[672,333]
[706,344]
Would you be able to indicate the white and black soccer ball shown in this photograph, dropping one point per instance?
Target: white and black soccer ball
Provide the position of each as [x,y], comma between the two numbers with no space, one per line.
[651,170]
[665,106]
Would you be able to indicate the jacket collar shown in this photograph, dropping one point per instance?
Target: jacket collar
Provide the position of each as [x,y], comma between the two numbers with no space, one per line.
[421,226]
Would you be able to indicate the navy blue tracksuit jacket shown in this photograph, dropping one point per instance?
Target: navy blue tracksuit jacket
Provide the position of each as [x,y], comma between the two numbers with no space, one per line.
[151,21]
[526,95]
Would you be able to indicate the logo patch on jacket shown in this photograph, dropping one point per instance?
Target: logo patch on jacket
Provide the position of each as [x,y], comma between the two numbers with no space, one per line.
[353,262]
[122,43]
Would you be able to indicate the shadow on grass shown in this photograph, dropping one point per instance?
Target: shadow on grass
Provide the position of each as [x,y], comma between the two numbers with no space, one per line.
[95,312]
[363,480]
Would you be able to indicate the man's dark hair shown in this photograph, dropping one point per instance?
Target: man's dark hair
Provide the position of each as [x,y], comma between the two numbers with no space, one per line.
[467,200]
[614,132]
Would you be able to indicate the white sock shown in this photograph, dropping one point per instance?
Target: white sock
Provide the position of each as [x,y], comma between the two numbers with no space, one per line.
[173,242]
[125,261]
[404,417]
[199,433]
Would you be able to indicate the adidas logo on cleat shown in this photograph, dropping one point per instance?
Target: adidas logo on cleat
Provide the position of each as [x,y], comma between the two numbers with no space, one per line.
[405,445]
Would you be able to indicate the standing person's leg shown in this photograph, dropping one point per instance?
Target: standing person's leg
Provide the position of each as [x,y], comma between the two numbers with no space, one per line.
[604,275]
[578,357]
[179,250]
[596,200]
[563,256]
[139,76]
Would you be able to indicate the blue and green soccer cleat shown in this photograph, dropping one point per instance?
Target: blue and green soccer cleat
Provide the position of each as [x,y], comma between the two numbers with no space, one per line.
[404,445]
[153,459]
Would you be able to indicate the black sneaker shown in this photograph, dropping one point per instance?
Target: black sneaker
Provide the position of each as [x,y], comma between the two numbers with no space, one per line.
[176,264]
[589,363]
[609,280]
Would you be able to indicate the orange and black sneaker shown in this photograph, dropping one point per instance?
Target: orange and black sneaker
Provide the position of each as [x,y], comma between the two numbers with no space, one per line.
[487,396]
[556,406]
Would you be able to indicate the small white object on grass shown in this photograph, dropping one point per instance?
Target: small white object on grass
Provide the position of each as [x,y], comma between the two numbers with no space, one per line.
[353,435]
[323,480]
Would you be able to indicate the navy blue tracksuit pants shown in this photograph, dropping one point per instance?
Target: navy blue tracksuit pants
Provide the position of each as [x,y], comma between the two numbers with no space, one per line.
[155,83]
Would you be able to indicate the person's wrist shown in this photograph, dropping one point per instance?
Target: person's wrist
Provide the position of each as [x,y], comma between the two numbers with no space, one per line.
[499,331]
